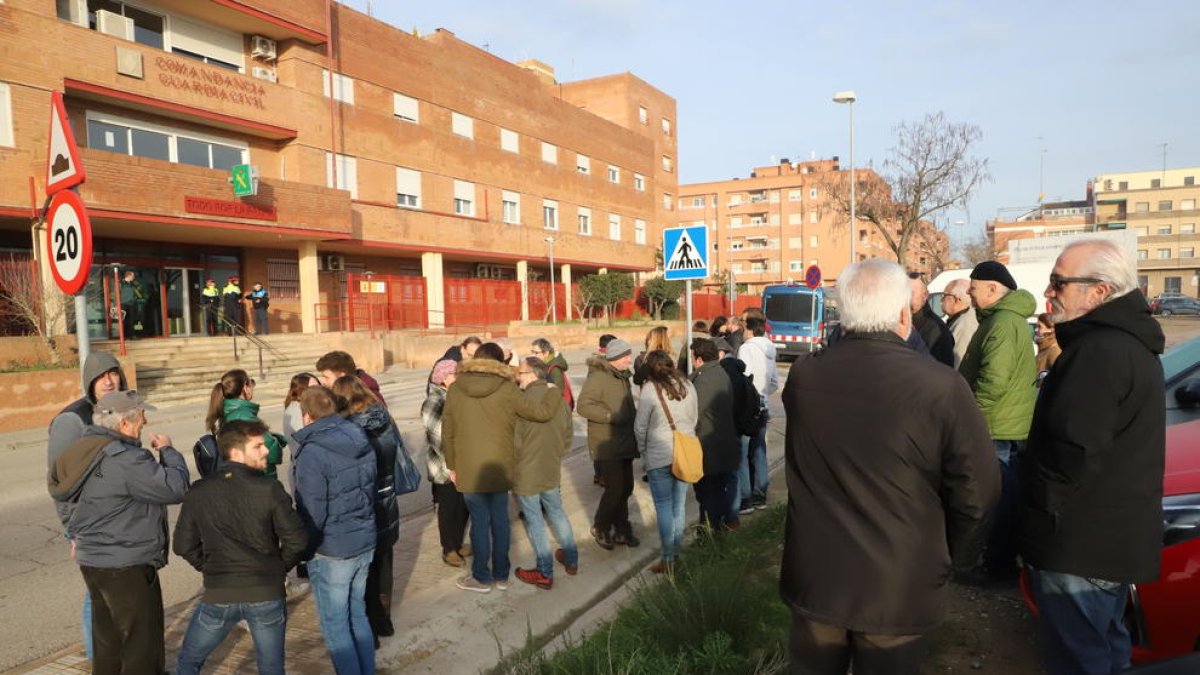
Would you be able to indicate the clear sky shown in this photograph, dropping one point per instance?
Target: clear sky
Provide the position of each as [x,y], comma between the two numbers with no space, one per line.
[1103,83]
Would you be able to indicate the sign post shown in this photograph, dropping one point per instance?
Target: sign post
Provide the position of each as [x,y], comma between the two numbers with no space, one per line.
[685,257]
[812,279]
[69,230]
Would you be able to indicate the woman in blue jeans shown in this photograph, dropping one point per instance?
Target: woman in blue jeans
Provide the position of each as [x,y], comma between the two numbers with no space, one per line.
[667,404]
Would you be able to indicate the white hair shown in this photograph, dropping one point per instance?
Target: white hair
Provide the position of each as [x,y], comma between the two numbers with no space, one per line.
[112,420]
[871,295]
[1108,262]
[958,288]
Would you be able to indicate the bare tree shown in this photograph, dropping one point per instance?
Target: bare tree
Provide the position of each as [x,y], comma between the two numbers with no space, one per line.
[930,169]
[979,249]
[30,309]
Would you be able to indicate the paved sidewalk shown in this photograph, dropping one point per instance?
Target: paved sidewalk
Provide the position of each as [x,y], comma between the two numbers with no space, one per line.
[439,628]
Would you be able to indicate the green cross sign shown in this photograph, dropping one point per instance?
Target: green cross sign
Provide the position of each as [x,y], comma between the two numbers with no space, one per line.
[243,181]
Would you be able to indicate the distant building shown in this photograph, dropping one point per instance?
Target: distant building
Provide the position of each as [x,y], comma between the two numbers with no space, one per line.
[1052,219]
[768,228]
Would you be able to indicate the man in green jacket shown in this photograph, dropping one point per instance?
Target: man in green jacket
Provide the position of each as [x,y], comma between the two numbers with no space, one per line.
[999,366]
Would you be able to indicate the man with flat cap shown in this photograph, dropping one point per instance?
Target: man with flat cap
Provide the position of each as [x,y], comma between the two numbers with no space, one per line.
[999,366]
[231,304]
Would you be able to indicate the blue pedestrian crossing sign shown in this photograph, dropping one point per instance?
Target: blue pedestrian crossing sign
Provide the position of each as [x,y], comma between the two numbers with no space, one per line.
[685,253]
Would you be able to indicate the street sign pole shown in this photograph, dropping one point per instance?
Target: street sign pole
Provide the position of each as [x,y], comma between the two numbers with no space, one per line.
[688,346]
[82,339]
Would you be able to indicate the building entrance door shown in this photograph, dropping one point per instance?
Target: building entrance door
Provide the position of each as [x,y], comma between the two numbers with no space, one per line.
[182,286]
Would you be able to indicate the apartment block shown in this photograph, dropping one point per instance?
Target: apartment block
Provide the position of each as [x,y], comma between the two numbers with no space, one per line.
[1052,219]
[768,228]
[377,151]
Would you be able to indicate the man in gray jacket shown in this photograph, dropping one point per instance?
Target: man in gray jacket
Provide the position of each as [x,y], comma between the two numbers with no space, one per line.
[117,494]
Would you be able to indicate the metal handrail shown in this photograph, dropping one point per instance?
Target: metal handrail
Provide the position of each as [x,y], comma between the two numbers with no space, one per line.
[235,328]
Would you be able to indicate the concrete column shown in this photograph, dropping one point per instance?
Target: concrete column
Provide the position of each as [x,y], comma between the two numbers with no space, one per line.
[564,276]
[435,288]
[310,288]
[523,277]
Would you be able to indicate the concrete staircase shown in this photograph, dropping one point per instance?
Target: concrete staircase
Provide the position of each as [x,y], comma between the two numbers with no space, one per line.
[176,370]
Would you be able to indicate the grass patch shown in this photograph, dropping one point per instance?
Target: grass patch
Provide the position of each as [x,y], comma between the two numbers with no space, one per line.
[36,366]
[719,615]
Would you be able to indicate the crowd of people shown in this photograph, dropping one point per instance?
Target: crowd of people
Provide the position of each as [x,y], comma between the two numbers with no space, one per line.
[914,447]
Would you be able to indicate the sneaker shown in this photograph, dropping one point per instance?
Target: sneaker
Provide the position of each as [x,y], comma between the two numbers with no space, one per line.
[535,578]
[627,540]
[746,508]
[662,567]
[469,583]
[501,584]
[561,556]
[453,559]
[761,505]
[603,540]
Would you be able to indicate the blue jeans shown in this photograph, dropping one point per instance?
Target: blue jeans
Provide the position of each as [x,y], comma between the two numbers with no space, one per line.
[670,508]
[1000,556]
[535,525]
[211,624]
[490,534]
[1079,623]
[339,585]
[87,626]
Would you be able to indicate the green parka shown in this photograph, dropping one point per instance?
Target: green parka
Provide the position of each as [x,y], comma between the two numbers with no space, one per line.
[999,366]
[479,422]
[606,402]
[542,445]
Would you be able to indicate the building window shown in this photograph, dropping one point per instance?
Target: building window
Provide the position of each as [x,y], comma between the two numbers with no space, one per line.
[668,202]
[813,241]
[795,218]
[735,221]
[735,200]
[812,193]
[408,188]
[667,164]
[405,108]
[639,231]
[1163,253]
[550,214]
[583,164]
[549,153]
[1155,183]
[1123,185]
[697,202]
[1142,231]
[510,207]
[639,184]
[1189,180]
[1143,254]
[813,217]
[1164,205]
[147,27]
[614,227]
[462,125]
[795,195]
[795,265]
[283,278]
[347,173]
[6,118]
[614,174]
[1163,229]
[666,126]
[643,114]
[343,87]
[1189,252]
[1173,284]
[1187,228]
[1141,207]
[141,139]
[1187,204]
[464,198]
[585,221]
[510,141]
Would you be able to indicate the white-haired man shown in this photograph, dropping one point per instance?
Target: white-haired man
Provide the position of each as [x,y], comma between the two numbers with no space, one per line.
[1091,511]
[960,318]
[118,493]
[881,502]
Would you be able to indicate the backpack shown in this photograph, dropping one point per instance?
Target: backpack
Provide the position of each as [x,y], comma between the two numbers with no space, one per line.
[749,414]
[567,394]
[208,456]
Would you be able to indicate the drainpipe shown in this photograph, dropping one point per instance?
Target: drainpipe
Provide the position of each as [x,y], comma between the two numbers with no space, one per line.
[332,101]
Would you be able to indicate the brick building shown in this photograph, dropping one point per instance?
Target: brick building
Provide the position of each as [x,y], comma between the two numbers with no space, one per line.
[1052,219]
[770,227]
[380,152]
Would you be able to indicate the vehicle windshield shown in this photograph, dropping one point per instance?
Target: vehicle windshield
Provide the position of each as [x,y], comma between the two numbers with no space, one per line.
[790,307]
[1181,361]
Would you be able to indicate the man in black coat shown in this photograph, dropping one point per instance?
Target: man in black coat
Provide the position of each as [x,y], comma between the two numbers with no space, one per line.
[891,478]
[717,491]
[930,326]
[239,529]
[1091,512]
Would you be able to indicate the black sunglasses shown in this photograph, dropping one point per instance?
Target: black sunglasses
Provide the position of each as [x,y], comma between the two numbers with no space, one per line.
[1058,282]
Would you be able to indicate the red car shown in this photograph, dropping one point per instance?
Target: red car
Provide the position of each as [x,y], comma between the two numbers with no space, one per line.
[1163,617]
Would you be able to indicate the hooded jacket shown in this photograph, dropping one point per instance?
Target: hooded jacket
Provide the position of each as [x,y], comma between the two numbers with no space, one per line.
[1093,474]
[606,402]
[240,409]
[119,495]
[714,422]
[68,425]
[335,487]
[540,446]
[999,366]
[557,370]
[385,439]
[479,422]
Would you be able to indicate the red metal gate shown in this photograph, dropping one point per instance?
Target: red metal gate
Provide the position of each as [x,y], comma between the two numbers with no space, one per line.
[480,302]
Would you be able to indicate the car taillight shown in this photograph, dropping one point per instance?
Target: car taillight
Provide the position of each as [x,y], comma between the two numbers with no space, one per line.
[768,326]
[1181,518]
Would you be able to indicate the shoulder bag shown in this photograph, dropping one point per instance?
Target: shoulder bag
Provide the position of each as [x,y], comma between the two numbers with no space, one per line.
[687,457]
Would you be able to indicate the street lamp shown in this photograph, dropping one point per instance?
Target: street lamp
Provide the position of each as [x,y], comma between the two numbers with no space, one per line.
[849,97]
[553,294]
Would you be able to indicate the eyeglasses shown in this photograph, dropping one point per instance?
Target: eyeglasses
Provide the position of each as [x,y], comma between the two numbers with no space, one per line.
[1059,282]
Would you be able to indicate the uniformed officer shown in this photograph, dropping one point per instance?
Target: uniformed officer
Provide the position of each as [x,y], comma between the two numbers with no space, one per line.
[231,301]
[133,302]
[261,300]
[210,297]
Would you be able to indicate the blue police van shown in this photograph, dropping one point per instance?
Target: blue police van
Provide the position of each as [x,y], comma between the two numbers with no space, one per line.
[799,318]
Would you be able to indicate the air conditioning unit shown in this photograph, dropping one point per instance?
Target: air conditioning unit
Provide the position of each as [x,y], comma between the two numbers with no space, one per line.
[321,263]
[335,263]
[265,73]
[262,48]
[111,23]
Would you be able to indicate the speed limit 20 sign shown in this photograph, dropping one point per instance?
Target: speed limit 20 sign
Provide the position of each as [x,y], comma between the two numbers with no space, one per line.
[69,238]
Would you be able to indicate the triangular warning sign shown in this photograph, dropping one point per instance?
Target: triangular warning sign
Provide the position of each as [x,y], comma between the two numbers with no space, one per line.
[63,166]
[685,256]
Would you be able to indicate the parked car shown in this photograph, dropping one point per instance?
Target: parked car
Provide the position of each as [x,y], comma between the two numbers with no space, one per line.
[1161,616]
[1166,305]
